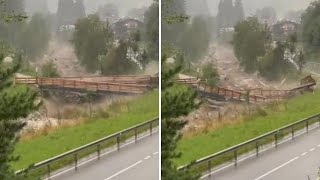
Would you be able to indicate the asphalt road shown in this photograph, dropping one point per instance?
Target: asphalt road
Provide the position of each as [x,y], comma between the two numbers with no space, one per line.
[135,161]
[293,160]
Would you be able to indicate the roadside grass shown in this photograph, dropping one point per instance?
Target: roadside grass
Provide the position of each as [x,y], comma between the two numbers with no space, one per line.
[278,115]
[123,115]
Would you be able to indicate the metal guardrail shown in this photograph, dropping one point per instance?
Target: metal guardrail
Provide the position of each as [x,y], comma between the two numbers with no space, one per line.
[209,163]
[47,168]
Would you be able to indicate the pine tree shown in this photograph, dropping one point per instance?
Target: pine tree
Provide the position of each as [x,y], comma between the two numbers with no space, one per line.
[239,12]
[177,101]
[15,102]
[79,10]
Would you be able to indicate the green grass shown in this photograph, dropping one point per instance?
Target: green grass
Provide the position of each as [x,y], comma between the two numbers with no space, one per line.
[44,147]
[202,145]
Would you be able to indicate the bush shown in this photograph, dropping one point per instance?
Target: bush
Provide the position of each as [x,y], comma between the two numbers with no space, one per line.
[210,74]
[50,70]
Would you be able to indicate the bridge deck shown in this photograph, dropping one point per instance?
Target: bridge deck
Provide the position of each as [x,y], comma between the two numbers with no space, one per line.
[119,84]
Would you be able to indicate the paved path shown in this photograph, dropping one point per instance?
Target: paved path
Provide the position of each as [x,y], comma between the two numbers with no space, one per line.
[135,161]
[293,160]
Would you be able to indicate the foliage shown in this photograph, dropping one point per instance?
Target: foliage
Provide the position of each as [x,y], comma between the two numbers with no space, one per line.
[195,39]
[210,74]
[282,59]
[33,38]
[92,38]
[151,31]
[229,14]
[249,42]
[311,27]
[49,70]
[116,61]
[15,102]
[69,12]
[177,101]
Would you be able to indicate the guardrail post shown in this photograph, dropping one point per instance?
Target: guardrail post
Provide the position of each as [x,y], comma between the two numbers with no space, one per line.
[49,171]
[276,139]
[151,129]
[257,148]
[292,132]
[319,120]
[307,126]
[135,135]
[235,158]
[98,151]
[118,142]
[209,167]
[76,161]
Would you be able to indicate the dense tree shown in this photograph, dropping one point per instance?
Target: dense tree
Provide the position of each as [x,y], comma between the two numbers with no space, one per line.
[229,13]
[195,39]
[116,61]
[15,102]
[151,31]
[311,27]
[239,11]
[79,9]
[173,20]
[69,12]
[33,38]
[49,70]
[210,74]
[92,37]
[177,101]
[249,41]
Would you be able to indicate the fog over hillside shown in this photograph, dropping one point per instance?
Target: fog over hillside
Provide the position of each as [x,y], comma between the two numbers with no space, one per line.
[281,6]
[92,5]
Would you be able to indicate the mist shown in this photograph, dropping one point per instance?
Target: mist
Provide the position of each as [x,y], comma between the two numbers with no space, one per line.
[250,6]
[92,5]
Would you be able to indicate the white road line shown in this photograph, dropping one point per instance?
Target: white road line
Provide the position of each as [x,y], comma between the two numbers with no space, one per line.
[103,154]
[155,153]
[147,157]
[126,169]
[245,158]
[277,168]
[312,149]
[303,154]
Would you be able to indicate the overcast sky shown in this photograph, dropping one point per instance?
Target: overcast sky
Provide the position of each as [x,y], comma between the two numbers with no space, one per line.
[91,5]
[281,6]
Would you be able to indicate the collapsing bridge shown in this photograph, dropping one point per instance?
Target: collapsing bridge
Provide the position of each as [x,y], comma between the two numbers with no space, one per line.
[251,95]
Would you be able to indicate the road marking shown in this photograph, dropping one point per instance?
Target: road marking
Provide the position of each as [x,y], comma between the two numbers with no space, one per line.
[319,145]
[103,154]
[303,154]
[147,157]
[312,149]
[126,169]
[277,168]
[155,153]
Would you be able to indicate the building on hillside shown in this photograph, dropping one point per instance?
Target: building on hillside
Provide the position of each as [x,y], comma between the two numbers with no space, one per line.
[124,27]
[282,30]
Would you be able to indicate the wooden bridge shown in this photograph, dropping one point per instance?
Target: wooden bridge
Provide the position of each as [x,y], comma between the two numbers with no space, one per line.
[100,84]
[253,95]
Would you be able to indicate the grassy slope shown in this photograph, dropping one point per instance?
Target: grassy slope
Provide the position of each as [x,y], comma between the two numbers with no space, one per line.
[205,144]
[43,147]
